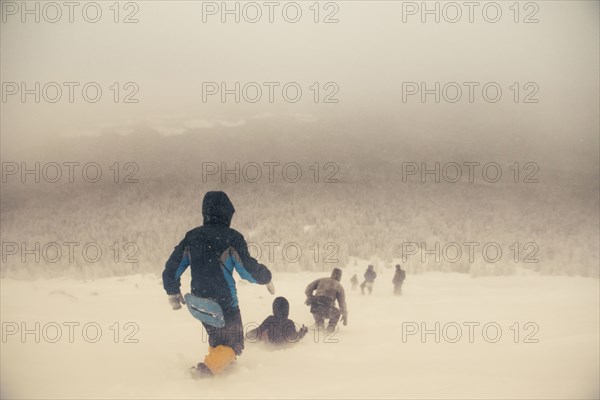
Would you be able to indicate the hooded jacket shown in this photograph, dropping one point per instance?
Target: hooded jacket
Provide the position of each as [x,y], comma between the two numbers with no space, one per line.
[399,276]
[213,251]
[329,288]
[370,274]
[278,328]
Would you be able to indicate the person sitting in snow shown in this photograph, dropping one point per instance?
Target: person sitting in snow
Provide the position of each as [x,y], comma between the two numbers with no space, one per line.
[370,276]
[213,251]
[321,296]
[278,328]
[398,280]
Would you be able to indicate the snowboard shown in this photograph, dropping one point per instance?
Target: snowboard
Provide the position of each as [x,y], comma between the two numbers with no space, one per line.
[205,310]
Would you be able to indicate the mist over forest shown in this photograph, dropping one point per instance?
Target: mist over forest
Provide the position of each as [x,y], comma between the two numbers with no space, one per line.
[355,199]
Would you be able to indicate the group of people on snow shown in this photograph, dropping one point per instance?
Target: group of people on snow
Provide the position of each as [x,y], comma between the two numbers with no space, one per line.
[213,251]
[370,276]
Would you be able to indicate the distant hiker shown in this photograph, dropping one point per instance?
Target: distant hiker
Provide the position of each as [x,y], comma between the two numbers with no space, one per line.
[354,282]
[370,276]
[321,296]
[398,280]
[213,251]
[278,328]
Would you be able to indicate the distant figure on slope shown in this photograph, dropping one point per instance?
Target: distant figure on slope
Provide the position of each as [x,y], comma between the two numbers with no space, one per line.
[370,276]
[354,282]
[398,280]
[213,251]
[321,296]
[277,328]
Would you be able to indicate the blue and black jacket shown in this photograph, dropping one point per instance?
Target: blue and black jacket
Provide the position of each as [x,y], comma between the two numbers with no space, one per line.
[213,251]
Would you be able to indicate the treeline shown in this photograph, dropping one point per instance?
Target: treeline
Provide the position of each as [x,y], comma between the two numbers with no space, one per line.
[101,229]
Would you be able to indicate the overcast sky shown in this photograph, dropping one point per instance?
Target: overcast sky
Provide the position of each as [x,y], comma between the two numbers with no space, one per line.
[368,54]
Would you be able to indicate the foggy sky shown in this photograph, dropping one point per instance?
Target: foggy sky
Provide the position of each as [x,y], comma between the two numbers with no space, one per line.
[368,54]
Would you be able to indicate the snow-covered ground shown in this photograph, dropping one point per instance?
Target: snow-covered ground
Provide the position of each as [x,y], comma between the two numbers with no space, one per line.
[368,358]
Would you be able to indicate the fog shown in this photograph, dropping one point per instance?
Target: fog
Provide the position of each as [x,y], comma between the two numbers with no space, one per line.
[368,53]
[457,139]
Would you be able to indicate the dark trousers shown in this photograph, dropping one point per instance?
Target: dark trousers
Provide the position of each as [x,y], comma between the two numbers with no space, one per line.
[232,334]
[398,289]
[322,308]
[367,285]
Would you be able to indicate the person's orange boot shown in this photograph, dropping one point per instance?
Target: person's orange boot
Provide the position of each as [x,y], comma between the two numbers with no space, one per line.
[219,358]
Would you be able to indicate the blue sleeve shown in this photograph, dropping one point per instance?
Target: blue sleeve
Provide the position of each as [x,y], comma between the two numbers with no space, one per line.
[248,268]
[174,268]
[185,262]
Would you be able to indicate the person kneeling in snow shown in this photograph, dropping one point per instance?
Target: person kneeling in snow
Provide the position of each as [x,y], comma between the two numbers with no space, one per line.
[321,296]
[213,251]
[277,328]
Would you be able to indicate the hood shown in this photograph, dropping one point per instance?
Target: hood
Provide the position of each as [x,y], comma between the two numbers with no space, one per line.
[281,307]
[336,274]
[217,209]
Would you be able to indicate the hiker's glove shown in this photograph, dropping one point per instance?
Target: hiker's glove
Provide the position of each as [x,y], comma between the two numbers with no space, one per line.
[176,300]
[302,332]
[309,300]
[271,287]
[345,318]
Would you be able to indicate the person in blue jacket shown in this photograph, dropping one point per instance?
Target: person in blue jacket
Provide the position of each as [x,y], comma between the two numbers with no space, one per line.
[213,251]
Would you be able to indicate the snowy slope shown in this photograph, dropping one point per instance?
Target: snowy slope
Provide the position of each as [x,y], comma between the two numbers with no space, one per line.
[369,358]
